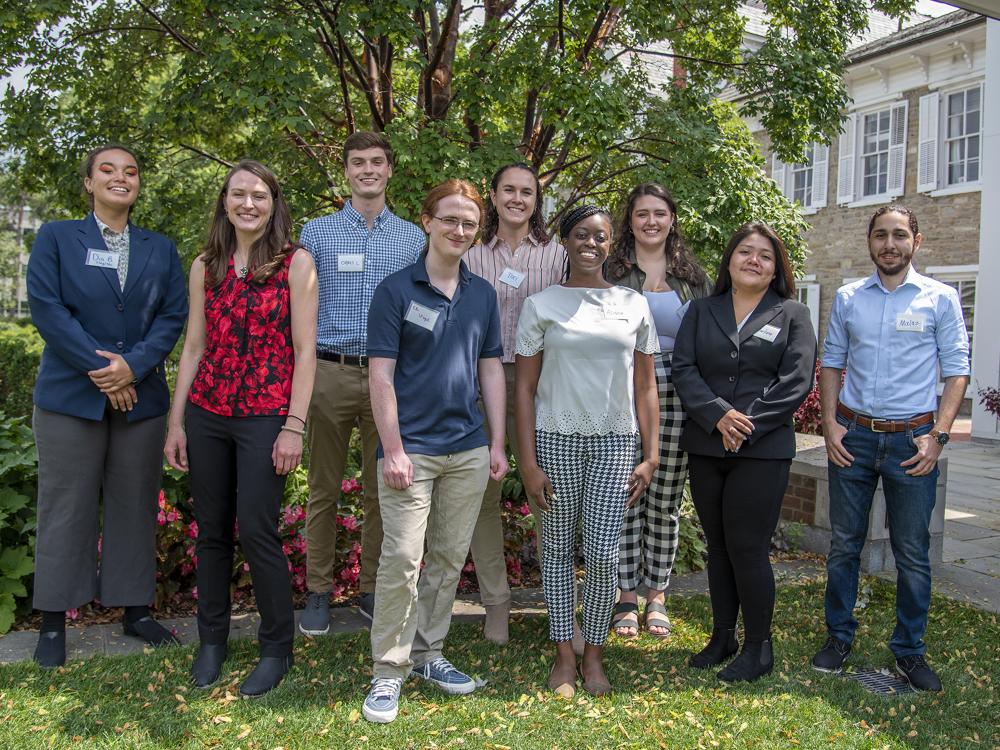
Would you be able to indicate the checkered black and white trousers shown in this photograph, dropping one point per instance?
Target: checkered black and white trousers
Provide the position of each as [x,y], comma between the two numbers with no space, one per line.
[650,533]
[589,475]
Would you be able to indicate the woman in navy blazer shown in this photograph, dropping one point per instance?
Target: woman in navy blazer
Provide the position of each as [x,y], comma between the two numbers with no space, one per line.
[109,300]
[743,362]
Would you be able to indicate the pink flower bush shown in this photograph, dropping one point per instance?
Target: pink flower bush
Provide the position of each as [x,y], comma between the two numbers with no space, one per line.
[177,534]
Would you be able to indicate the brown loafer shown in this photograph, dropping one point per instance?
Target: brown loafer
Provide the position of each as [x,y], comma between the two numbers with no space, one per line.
[561,688]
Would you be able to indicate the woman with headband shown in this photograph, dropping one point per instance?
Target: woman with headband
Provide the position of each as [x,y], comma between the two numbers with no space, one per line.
[585,385]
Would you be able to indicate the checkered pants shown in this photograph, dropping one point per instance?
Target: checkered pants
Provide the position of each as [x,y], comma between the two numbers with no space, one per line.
[589,474]
[650,533]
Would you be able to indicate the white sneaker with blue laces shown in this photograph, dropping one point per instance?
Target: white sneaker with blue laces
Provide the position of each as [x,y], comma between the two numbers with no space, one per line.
[382,703]
[442,673]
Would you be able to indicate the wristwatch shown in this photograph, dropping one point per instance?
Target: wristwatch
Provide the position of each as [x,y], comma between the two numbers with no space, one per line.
[941,437]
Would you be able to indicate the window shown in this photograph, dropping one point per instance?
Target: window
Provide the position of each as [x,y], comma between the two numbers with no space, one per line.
[872,154]
[805,182]
[963,280]
[807,292]
[950,138]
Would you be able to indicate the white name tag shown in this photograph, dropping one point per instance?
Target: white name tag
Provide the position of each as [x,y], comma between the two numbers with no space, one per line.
[422,316]
[513,278]
[614,313]
[768,333]
[102,258]
[352,262]
[911,322]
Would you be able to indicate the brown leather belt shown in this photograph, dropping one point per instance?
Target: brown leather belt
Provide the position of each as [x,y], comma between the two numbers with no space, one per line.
[885,425]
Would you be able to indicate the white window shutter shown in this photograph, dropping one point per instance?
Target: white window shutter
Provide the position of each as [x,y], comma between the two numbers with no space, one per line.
[927,143]
[845,172]
[897,150]
[821,166]
[778,174]
[812,302]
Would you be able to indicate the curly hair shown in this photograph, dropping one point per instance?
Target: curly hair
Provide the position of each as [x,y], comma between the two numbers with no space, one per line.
[681,262]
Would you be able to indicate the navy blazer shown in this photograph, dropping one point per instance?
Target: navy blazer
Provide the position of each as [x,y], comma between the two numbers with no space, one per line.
[79,308]
[715,369]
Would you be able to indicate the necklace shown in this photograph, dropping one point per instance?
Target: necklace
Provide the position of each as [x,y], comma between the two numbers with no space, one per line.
[242,272]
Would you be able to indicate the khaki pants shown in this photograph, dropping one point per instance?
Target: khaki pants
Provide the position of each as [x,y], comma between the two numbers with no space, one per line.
[411,619]
[340,401]
[487,539]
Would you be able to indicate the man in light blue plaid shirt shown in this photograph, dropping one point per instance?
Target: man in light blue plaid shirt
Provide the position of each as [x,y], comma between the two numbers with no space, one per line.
[354,249]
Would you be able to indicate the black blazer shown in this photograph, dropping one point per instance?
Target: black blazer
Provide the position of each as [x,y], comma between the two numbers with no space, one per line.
[715,369]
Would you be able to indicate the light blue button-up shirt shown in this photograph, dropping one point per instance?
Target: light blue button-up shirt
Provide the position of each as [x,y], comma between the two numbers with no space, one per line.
[346,285]
[892,343]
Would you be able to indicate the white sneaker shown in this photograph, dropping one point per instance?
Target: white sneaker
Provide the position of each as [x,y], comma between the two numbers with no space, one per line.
[382,703]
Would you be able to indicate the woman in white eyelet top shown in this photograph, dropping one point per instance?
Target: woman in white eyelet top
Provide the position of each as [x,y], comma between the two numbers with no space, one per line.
[584,386]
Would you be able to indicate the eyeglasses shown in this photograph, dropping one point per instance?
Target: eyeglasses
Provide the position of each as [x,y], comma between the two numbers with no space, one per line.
[452,223]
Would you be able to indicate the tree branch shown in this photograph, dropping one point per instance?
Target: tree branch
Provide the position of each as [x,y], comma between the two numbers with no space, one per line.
[179,37]
[205,154]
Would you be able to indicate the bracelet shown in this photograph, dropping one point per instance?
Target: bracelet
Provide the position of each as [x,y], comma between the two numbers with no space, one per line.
[286,428]
[300,419]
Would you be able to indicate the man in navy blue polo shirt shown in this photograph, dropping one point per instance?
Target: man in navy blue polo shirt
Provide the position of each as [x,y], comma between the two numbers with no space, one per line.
[433,343]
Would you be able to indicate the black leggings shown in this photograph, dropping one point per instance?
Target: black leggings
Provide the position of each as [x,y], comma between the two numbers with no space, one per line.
[738,501]
[233,478]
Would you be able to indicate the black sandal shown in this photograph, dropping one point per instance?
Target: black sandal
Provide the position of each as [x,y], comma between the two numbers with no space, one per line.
[625,614]
[656,615]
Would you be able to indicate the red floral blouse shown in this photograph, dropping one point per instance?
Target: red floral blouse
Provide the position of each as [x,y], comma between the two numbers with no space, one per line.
[246,369]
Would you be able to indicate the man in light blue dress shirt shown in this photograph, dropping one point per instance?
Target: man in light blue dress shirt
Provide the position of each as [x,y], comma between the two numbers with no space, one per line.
[892,332]
[354,250]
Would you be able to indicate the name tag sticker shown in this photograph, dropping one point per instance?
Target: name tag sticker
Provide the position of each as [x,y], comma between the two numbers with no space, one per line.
[768,333]
[422,316]
[615,313]
[910,322]
[513,278]
[102,258]
[352,262]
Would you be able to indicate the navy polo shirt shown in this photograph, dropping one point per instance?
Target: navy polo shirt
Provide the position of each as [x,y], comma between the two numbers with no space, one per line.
[437,344]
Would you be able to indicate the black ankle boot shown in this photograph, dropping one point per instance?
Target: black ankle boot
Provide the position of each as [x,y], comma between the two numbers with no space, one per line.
[266,676]
[721,646]
[755,660]
[207,665]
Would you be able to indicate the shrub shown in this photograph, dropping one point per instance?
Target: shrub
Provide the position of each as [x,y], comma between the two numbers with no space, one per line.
[808,417]
[989,397]
[20,352]
[18,479]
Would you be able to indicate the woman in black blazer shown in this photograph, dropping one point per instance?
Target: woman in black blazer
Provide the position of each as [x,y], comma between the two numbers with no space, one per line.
[743,362]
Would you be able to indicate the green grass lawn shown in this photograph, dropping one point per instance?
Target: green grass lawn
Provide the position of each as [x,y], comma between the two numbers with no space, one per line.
[145,702]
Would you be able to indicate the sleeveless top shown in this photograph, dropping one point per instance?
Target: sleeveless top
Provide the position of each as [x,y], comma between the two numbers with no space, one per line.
[246,368]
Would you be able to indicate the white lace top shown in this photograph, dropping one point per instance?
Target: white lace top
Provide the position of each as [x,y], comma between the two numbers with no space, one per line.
[587,337]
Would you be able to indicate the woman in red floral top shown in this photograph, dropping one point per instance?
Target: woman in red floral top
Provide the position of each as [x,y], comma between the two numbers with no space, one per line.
[247,372]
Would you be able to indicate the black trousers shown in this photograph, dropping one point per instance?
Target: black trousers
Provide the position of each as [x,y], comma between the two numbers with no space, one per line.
[738,501]
[233,479]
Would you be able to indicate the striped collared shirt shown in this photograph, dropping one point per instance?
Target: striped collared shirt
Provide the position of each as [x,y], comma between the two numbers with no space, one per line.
[351,260]
[541,266]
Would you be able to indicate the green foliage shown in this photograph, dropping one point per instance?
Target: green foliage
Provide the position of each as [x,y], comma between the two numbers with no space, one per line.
[20,352]
[18,478]
[566,86]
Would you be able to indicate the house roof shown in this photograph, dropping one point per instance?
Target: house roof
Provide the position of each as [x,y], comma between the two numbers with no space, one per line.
[921,32]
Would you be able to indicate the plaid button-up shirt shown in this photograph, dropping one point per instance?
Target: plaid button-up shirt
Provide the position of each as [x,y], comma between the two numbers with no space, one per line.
[345,295]
[116,242]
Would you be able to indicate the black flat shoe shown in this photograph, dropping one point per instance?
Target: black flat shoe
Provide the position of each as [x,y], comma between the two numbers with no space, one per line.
[150,631]
[208,664]
[51,649]
[265,676]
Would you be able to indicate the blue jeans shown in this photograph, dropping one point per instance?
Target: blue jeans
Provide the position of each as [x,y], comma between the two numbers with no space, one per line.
[909,502]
